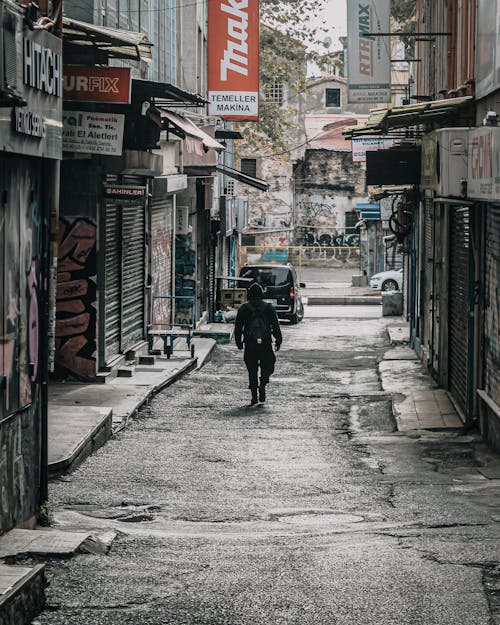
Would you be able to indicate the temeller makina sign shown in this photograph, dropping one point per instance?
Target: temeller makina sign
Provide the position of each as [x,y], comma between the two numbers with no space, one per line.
[368,54]
[233,59]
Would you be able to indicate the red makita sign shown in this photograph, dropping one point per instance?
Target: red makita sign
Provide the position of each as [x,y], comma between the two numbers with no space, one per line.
[96,84]
[233,59]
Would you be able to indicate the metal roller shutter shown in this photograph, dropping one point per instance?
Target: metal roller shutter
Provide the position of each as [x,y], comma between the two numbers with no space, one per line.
[112,272]
[428,269]
[133,274]
[458,312]
[492,304]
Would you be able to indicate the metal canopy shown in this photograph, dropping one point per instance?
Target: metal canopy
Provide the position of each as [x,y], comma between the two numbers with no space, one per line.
[381,121]
[108,42]
[257,183]
[165,94]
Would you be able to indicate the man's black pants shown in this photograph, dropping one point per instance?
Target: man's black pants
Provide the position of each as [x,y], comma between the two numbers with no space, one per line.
[259,356]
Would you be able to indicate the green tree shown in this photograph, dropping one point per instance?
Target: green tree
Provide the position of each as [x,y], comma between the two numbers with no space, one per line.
[287,34]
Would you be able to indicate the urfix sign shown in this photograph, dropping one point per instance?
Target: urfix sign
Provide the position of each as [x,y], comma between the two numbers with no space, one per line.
[233,59]
[483,175]
[96,84]
[369,54]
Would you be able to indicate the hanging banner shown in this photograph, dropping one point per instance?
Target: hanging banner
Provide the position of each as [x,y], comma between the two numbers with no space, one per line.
[233,59]
[93,133]
[369,67]
[361,146]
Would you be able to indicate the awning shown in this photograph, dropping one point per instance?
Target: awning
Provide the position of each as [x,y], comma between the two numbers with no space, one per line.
[382,121]
[197,140]
[165,94]
[258,183]
[228,134]
[87,39]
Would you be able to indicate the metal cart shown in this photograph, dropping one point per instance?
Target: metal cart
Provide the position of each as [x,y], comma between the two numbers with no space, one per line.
[171,331]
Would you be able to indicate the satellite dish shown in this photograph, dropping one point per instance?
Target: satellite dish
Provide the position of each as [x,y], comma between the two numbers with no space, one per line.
[327,42]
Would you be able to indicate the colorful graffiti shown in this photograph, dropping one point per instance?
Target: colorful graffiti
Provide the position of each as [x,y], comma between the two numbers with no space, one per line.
[161,268]
[76,298]
[20,256]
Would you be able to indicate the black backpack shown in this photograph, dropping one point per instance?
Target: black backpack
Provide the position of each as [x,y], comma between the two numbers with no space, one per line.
[257,330]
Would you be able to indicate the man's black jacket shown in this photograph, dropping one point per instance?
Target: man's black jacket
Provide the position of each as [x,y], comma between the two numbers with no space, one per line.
[245,314]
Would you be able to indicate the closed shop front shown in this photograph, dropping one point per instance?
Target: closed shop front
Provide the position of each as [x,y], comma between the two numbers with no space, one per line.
[491,340]
[460,310]
[427,281]
[124,224]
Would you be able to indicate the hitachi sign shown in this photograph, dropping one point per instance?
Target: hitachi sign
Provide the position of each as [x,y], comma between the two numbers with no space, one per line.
[236,53]
[42,68]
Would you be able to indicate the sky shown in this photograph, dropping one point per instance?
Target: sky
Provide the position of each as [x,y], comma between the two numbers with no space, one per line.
[335,14]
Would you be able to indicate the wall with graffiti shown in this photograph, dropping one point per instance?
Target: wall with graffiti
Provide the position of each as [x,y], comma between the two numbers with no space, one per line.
[22,226]
[161,263]
[76,298]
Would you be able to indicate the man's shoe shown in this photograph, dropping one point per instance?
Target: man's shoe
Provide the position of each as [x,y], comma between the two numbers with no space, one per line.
[254,399]
[262,394]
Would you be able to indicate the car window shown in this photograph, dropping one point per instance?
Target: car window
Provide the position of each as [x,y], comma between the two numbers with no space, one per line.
[268,276]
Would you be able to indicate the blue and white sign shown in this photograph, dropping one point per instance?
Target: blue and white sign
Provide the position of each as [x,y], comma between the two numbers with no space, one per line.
[368,211]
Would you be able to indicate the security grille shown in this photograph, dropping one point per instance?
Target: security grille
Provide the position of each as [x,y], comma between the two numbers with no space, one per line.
[458,312]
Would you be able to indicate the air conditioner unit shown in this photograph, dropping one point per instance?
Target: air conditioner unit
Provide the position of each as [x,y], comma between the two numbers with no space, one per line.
[444,161]
[10,25]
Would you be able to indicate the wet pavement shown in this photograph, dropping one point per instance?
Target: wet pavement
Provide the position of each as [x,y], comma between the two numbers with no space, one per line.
[310,510]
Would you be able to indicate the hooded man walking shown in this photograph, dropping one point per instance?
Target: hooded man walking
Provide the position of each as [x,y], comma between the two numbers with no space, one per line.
[256,325]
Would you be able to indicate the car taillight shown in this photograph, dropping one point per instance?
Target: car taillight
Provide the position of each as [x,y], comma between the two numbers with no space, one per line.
[292,293]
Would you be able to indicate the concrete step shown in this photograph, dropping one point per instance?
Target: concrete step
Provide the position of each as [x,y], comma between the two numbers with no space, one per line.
[147,360]
[126,372]
[22,593]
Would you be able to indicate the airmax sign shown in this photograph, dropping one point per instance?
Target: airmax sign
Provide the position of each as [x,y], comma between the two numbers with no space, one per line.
[96,84]
[233,59]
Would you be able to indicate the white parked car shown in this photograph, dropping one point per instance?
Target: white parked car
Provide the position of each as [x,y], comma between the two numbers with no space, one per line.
[387,280]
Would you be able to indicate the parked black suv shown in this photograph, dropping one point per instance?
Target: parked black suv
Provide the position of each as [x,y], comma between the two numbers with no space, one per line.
[281,288]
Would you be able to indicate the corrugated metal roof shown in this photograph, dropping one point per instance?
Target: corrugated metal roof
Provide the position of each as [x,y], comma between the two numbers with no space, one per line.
[114,42]
[381,121]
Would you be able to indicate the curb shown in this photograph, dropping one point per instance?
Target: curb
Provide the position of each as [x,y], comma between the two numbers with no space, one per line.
[99,436]
[343,300]
[25,600]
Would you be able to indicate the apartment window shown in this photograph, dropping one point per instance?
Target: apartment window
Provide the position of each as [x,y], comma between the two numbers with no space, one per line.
[249,166]
[274,92]
[332,98]
[351,219]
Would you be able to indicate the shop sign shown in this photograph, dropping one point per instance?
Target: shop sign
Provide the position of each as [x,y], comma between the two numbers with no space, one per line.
[96,84]
[233,59]
[369,55]
[42,68]
[123,192]
[93,133]
[483,175]
[34,129]
[368,210]
[29,123]
[361,146]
